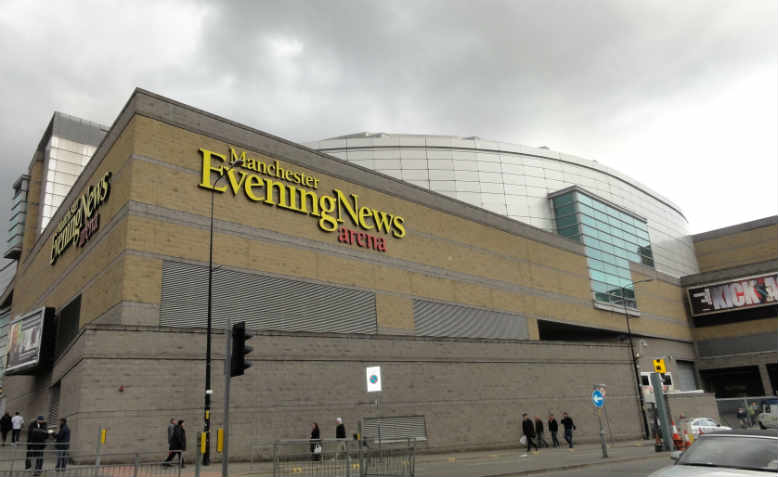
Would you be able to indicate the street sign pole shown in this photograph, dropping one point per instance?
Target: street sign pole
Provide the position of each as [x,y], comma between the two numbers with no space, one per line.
[227,380]
[598,399]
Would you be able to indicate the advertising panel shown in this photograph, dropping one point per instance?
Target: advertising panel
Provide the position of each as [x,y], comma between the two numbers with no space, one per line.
[739,294]
[27,347]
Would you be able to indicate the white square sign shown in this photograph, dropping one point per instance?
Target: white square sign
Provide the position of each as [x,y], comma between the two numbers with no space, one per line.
[373,379]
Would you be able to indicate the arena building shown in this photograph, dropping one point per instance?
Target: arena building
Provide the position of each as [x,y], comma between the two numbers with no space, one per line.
[474,315]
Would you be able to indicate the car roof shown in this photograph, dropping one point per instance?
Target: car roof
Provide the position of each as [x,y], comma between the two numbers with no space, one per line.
[745,433]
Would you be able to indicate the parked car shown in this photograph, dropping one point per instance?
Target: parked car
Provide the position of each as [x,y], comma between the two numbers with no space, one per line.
[706,425]
[768,418]
[736,453]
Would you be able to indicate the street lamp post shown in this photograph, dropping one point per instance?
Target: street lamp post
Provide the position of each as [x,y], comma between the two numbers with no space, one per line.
[208,390]
[641,410]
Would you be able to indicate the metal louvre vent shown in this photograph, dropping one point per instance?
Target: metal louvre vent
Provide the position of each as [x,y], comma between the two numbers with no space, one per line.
[264,302]
[457,321]
[394,428]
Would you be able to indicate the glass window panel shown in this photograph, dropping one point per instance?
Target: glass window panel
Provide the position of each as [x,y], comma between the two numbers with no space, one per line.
[569,231]
[563,200]
[599,276]
[567,221]
[565,210]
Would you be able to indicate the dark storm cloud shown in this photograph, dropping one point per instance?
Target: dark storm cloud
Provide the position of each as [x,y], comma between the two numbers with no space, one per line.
[582,75]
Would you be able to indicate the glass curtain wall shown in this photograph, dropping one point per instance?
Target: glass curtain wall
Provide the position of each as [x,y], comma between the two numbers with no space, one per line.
[612,238]
[64,162]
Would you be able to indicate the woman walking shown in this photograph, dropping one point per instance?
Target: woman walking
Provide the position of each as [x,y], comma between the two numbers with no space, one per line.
[315,442]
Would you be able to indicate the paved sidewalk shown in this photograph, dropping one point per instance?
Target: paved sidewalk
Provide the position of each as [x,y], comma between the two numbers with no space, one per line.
[501,463]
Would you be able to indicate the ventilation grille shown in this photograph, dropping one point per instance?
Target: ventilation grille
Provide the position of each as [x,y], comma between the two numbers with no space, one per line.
[439,319]
[263,302]
[394,428]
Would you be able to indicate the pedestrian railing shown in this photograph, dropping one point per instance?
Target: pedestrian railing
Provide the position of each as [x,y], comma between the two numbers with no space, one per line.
[18,461]
[343,458]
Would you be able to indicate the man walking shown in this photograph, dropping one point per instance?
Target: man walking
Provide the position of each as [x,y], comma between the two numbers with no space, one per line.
[569,426]
[17,422]
[177,444]
[171,429]
[529,433]
[36,441]
[5,426]
[340,433]
[62,444]
[539,433]
[553,428]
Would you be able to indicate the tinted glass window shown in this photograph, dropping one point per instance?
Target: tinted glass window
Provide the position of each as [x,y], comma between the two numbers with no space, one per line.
[733,451]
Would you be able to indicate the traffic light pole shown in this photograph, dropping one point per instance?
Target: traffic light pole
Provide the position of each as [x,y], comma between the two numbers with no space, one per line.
[227,380]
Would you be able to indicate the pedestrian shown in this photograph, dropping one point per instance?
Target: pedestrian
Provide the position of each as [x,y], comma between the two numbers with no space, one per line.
[539,431]
[36,442]
[315,442]
[340,433]
[5,426]
[17,422]
[177,444]
[171,428]
[553,428]
[742,416]
[751,411]
[62,444]
[529,433]
[569,427]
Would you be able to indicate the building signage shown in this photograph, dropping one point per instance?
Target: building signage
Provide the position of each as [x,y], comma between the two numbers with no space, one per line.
[275,185]
[25,341]
[749,292]
[81,220]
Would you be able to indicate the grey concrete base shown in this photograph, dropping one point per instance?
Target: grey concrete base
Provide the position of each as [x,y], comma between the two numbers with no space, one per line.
[132,380]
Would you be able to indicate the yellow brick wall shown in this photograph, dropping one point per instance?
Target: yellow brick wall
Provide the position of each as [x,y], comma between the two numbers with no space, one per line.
[751,246]
[98,274]
[729,330]
[473,250]
[443,257]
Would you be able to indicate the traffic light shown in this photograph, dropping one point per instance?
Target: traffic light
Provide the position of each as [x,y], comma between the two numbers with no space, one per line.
[238,363]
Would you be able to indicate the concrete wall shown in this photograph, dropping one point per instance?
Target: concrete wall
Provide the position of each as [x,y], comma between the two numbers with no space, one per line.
[693,405]
[472,392]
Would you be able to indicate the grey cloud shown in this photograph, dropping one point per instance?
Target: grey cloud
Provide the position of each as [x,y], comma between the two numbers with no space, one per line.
[564,71]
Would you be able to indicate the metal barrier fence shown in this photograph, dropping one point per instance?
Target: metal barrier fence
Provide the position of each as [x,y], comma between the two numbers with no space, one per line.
[19,461]
[728,408]
[343,458]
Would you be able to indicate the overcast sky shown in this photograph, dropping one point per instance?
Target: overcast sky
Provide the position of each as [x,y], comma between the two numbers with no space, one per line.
[681,95]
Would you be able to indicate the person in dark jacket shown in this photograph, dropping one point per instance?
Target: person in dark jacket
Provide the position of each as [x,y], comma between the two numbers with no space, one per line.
[62,444]
[177,444]
[37,434]
[340,433]
[539,433]
[553,428]
[171,429]
[315,442]
[5,426]
[529,433]
[569,426]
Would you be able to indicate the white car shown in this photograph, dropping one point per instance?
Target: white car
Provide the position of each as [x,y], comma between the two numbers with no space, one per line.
[743,453]
[768,419]
[706,425]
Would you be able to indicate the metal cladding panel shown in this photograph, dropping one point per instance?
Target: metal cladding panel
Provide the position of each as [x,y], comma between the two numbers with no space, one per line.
[394,428]
[263,302]
[440,319]
[738,344]
[685,380]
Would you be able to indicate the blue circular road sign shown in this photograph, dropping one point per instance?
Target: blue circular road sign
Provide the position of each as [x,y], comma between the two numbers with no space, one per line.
[597,398]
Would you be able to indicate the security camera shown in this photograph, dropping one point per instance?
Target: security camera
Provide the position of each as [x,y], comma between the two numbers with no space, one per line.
[643,343]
